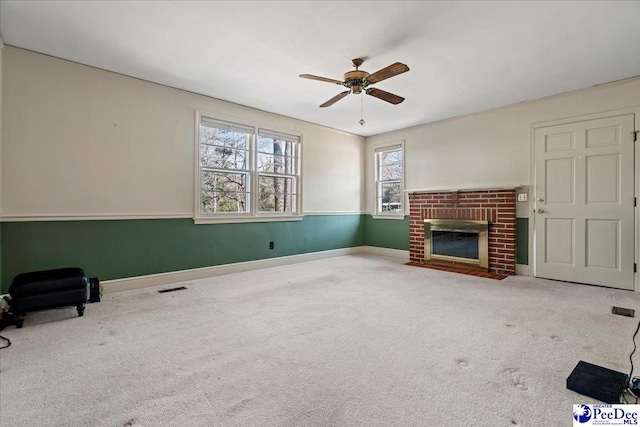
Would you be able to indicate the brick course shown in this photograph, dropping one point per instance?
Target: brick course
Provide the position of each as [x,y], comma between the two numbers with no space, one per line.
[496,206]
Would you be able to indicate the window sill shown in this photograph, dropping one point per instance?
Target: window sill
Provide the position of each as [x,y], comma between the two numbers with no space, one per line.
[390,216]
[241,219]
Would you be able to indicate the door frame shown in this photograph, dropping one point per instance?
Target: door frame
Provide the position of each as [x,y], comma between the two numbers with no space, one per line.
[532,171]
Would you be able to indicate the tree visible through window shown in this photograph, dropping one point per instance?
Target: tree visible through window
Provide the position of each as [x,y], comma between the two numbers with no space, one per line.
[277,173]
[389,186]
[234,181]
[225,175]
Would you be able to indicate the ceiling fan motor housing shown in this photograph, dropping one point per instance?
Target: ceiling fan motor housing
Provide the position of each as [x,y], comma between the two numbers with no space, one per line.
[355,80]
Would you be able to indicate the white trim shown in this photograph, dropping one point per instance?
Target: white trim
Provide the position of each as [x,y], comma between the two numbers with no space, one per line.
[241,219]
[90,217]
[522,270]
[586,117]
[636,193]
[107,217]
[380,148]
[383,216]
[335,213]
[138,282]
[453,190]
[396,253]
[196,161]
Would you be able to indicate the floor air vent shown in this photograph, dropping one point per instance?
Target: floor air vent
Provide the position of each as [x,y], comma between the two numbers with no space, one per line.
[179,288]
[623,311]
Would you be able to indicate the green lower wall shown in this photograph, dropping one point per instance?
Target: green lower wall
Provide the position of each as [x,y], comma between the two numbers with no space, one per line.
[128,248]
[522,241]
[387,233]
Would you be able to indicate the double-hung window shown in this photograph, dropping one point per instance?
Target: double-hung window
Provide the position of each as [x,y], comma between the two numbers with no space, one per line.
[389,180]
[277,172]
[244,172]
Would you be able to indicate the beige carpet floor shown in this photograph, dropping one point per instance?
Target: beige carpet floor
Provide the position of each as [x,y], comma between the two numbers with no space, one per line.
[359,340]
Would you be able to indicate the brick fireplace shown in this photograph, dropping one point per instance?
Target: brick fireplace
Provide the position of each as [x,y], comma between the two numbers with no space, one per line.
[497,206]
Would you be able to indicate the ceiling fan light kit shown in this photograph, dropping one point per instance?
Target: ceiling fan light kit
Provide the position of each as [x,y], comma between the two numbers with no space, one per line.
[357,81]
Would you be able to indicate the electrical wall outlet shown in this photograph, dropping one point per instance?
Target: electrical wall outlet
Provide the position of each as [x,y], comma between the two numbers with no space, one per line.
[271,245]
[522,197]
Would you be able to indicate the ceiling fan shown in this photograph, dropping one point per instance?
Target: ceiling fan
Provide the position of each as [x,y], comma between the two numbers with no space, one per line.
[358,80]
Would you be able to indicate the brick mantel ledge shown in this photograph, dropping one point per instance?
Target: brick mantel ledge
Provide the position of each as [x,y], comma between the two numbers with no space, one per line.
[454,190]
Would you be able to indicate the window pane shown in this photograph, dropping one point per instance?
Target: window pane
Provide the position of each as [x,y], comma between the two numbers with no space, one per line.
[224,192]
[223,158]
[223,137]
[390,197]
[213,202]
[276,194]
[221,181]
[276,156]
[390,165]
[391,172]
[276,202]
[391,157]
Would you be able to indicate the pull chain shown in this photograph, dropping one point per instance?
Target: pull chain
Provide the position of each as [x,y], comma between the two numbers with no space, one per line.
[362,122]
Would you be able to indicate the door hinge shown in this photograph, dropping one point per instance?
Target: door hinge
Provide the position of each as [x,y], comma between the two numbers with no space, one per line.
[635,135]
[635,201]
[635,267]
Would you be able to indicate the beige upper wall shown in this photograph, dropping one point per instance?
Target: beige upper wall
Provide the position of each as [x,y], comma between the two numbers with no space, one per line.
[491,148]
[81,142]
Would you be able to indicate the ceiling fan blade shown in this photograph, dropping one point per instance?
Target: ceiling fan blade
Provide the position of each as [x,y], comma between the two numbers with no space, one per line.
[387,72]
[322,79]
[385,96]
[335,99]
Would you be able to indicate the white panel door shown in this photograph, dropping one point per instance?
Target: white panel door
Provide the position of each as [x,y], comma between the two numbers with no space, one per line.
[584,202]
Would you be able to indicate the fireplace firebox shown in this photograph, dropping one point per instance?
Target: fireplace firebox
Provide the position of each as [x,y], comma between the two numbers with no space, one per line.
[457,240]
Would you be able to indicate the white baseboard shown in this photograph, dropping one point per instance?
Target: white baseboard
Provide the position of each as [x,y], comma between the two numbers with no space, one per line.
[522,270]
[130,283]
[138,282]
[397,253]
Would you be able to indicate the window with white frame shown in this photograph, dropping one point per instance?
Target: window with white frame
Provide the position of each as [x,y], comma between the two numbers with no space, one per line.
[389,180]
[246,172]
[277,166]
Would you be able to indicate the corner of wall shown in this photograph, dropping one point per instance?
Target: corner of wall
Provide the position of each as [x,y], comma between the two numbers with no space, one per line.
[1,49]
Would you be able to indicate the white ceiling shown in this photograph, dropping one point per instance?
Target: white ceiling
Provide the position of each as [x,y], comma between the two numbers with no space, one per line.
[464,56]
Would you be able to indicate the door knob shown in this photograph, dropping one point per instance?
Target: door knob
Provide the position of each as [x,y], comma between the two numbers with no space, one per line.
[540,210]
